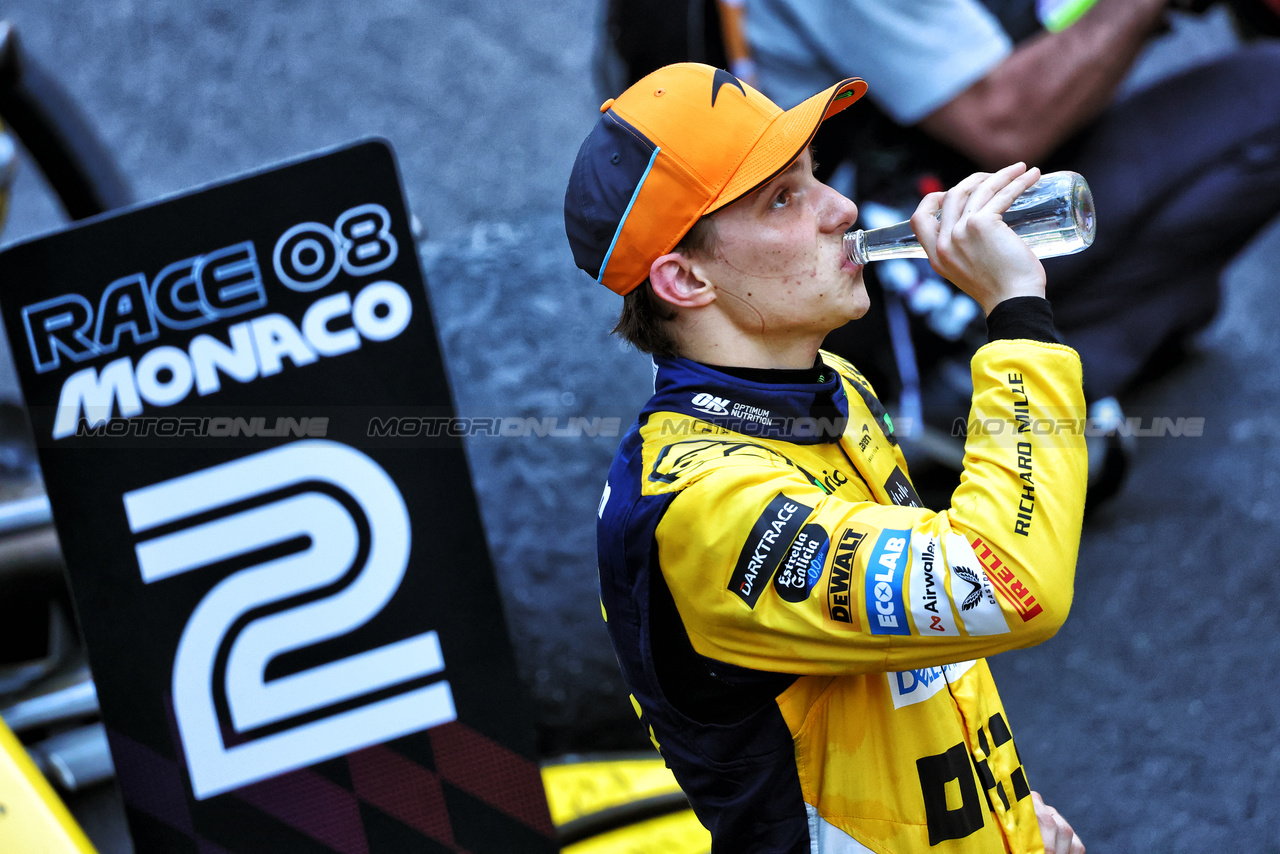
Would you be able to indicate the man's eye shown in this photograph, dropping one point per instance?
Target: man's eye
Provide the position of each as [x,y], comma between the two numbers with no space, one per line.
[781,199]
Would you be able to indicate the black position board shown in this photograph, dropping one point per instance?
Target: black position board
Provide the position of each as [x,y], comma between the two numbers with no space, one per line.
[293,624]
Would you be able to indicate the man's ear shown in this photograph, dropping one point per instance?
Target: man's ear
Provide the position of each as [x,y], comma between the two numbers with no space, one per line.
[674,280]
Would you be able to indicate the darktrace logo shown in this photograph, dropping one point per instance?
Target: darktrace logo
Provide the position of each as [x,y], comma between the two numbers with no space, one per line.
[766,547]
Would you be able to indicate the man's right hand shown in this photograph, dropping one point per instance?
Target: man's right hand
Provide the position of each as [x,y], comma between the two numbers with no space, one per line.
[969,243]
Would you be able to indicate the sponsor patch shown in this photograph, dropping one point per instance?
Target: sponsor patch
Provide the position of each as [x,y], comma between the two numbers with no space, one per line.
[915,686]
[804,563]
[710,404]
[752,413]
[972,590]
[767,546]
[886,612]
[1005,582]
[900,490]
[878,413]
[680,458]
[840,603]
[927,589]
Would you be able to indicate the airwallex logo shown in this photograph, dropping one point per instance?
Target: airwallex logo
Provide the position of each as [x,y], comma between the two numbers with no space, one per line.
[226,282]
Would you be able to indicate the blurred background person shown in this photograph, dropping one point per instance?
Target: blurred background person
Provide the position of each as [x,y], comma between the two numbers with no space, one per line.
[1185,170]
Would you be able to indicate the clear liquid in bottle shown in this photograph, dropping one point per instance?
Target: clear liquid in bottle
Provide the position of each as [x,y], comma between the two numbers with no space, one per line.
[1055,216]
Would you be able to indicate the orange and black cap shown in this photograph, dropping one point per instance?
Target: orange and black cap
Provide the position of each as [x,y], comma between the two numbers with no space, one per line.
[679,144]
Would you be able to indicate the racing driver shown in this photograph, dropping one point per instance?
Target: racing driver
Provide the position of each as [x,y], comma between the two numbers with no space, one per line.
[804,641]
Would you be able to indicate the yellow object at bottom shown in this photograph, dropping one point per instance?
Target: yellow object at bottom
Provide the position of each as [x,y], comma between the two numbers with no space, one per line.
[580,789]
[679,833]
[33,820]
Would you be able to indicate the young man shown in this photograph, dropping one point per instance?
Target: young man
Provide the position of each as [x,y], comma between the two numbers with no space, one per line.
[803,641]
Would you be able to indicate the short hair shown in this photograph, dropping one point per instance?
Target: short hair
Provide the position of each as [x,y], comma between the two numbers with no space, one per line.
[646,318]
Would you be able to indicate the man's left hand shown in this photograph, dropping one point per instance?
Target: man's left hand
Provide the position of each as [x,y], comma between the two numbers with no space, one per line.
[1058,836]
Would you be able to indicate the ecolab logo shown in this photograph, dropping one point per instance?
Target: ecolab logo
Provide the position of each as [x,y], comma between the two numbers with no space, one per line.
[886,612]
[710,404]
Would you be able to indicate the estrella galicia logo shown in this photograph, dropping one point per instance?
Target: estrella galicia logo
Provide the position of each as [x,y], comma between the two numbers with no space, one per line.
[886,611]
[710,404]
[803,566]
[766,547]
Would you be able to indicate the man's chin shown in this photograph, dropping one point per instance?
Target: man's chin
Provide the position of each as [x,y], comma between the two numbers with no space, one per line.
[861,303]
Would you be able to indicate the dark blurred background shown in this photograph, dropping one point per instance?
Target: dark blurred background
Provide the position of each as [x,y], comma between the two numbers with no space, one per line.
[1150,721]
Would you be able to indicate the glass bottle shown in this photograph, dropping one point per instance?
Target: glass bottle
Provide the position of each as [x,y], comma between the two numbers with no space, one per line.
[1054,216]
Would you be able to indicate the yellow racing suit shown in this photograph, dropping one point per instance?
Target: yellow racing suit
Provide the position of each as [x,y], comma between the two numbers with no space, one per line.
[803,640]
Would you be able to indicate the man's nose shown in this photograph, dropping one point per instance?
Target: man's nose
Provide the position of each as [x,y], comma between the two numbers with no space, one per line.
[839,213]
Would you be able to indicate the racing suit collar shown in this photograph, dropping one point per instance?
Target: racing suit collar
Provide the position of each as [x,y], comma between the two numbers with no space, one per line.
[804,413]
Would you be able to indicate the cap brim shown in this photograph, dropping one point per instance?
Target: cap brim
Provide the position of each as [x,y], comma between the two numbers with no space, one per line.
[786,137]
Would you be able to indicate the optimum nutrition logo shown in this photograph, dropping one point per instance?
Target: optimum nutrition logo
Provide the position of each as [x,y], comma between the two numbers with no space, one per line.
[710,404]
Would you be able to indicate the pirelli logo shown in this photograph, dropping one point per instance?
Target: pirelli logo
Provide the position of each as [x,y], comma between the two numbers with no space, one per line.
[840,607]
[1005,582]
